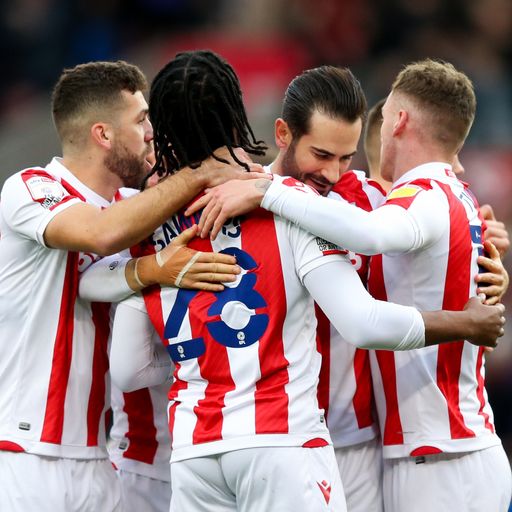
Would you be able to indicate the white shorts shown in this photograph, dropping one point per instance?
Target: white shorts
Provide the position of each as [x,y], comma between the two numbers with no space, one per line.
[284,479]
[462,482]
[50,484]
[142,493]
[360,468]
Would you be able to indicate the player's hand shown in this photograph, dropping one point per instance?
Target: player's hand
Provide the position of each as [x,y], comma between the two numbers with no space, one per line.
[225,201]
[217,172]
[496,231]
[177,265]
[487,321]
[496,279]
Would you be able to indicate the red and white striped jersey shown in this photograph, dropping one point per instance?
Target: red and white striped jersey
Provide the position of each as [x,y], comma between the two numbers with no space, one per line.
[246,360]
[139,439]
[432,399]
[53,370]
[345,386]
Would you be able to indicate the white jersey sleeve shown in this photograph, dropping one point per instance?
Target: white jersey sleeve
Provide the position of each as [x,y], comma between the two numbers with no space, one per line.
[31,199]
[105,280]
[358,317]
[389,229]
[137,357]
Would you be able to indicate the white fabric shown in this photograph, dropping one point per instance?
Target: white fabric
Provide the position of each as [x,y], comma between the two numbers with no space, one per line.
[137,358]
[360,467]
[44,328]
[259,479]
[143,494]
[47,484]
[466,482]
[388,229]
[105,280]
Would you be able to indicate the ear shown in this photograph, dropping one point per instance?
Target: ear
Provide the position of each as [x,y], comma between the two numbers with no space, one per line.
[401,122]
[102,134]
[283,135]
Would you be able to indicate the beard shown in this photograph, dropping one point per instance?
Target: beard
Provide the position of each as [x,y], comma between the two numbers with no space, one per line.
[289,163]
[129,167]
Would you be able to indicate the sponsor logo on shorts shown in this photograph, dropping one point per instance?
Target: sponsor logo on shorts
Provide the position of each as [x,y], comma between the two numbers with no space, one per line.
[325,487]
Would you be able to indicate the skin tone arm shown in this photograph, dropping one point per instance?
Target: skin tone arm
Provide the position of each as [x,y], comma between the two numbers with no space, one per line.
[83,227]
[182,267]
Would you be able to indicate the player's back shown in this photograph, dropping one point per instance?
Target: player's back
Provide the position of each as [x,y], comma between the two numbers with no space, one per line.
[246,359]
[433,399]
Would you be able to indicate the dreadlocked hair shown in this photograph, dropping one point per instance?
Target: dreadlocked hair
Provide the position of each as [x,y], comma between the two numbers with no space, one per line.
[195,106]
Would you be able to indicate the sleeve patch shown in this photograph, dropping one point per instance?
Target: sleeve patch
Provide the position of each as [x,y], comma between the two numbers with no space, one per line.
[328,248]
[45,190]
[407,191]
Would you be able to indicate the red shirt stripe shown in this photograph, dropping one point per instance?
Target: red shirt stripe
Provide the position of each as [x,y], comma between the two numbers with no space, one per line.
[61,363]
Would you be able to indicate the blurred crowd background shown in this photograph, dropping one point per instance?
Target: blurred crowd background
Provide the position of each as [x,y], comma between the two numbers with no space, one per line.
[268,42]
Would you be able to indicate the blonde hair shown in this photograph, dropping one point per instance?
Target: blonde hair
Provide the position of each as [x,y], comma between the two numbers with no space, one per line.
[443,93]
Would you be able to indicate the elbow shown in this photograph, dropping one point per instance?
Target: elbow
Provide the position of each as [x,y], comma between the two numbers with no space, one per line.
[361,339]
[126,383]
[106,243]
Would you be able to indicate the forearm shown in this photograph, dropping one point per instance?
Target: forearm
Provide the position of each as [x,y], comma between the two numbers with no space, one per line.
[133,219]
[442,326]
[387,229]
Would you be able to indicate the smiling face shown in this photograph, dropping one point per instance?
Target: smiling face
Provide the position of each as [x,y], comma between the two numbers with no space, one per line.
[130,155]
[319,157]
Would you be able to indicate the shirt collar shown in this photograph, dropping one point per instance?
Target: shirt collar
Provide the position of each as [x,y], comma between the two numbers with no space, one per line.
[57,168]
[440,171]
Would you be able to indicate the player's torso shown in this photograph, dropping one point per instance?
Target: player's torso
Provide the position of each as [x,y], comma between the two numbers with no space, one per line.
[246,359]
[139,438]
[345,387]
[433,399]
[53,373]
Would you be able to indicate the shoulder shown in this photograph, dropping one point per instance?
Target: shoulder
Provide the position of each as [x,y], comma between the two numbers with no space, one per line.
[295,184]
[355,187]
[405,194]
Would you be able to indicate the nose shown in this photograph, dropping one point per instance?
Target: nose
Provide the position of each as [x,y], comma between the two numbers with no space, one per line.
[332,171]
[148,133]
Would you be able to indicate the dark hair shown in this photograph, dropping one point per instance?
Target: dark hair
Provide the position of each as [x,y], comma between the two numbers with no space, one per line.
[331,90]
[195,106]
[94,86]
[373,124]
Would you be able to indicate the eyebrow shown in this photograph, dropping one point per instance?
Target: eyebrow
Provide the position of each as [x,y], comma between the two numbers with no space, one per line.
[328,153]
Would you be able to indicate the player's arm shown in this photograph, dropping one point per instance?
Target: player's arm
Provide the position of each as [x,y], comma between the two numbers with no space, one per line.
[373,324]
[388,229]
[493,283]
[137,357]
[83,227]
[114,278]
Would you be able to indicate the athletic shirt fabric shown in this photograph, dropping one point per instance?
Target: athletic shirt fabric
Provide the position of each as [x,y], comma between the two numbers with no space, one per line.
[246,358]
[433,399]
[345,386]
[54,365]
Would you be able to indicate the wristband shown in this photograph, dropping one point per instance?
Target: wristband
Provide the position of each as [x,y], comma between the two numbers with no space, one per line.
[136,275]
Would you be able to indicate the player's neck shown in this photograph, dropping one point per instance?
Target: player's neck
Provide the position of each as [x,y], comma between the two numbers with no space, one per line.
[93,175]
[415,155]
